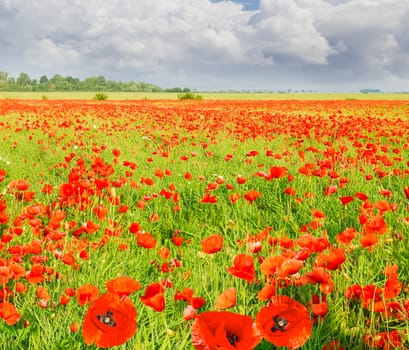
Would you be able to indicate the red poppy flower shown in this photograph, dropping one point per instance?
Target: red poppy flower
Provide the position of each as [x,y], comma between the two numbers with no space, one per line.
[227,299]
[154,297]
[317,214]
[284,322]
[252,153]
[241,180]
[330,190]
[135,227]
[64,299]
[369,240]
[87,293]
[123,286]
[346,236]
[276,172]
[197,302]
[251,196]
[213,330]
[290,191]
[5,274]
[319,307]
[146,240]
[393,286]
[3,174]
[289,267]
[243,267]
[361,196]
[208,198]
[20,287]
[186,294]
[21,185]
[189,313]
[42,293]
[234,197]
[4,218]
[123,209]
[347,199]
[332,260]
[268,291]
[270,264]
[74,327]
[406,191]
[385,340]
[323,277]
[36,274]
[212,186]
[178,240]
[109,321]
[212,244]
[9,313]
[147,181]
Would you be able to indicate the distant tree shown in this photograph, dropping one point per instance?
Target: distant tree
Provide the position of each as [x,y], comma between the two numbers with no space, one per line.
[51,86]
[34,84]
[175,89]
[43,80]
[23,82]
[72,83]
[3,80]
[100,80]
[60,83]
[94,84]
[43,84]
[112,85]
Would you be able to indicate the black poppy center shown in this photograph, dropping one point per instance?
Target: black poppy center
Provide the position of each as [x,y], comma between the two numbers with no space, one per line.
[107,319]
[232,338]
[279,324]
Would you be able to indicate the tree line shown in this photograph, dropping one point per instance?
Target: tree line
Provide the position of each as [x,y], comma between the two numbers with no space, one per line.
[60,83]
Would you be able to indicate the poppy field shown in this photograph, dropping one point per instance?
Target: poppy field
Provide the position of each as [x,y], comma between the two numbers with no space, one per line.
[166,224]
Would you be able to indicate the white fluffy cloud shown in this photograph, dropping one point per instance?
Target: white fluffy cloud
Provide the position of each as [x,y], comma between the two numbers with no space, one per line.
[200,44]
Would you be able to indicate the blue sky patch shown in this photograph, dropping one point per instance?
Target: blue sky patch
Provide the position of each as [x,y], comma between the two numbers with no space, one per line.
[249,5]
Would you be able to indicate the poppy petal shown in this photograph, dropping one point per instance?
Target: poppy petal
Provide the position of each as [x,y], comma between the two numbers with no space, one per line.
[227,299]
[123,285]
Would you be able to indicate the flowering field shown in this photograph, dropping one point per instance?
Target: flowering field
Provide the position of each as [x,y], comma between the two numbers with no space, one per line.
[204,225]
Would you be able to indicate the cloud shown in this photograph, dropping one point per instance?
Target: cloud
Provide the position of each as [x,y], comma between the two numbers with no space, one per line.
[371,33]
[283,29]
[44,52]
[202,44]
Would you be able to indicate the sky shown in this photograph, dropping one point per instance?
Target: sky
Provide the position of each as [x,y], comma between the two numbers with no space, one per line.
[319,45]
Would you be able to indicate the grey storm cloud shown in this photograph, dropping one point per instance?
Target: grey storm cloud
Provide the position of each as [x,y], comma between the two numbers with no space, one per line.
[329,44]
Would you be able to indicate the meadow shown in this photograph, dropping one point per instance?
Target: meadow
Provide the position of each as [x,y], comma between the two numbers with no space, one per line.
[216,224]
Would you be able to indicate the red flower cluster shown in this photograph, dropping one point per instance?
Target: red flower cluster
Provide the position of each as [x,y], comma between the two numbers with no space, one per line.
[284,322]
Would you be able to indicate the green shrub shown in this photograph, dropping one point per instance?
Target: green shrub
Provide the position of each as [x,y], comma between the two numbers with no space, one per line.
[189,96]
[100,96]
